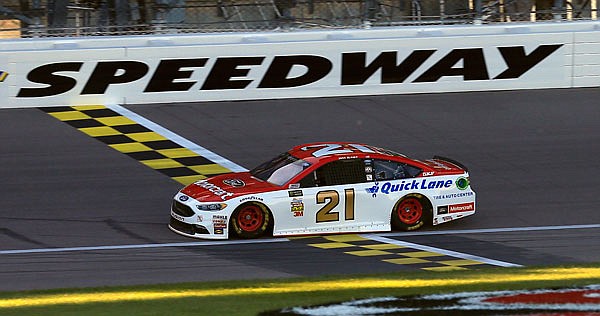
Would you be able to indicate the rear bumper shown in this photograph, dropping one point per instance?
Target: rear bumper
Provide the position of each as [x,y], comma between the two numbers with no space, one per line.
[457,205]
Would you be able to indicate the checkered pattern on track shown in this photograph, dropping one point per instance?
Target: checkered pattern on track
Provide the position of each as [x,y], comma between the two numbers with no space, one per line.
[138,142]
[356,245]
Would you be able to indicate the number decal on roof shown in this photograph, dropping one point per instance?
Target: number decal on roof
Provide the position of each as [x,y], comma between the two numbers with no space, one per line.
[333,149]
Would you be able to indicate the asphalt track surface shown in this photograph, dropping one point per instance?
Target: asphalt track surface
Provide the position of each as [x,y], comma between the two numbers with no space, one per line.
[533,158]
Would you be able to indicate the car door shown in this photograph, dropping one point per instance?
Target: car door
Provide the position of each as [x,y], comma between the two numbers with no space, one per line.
[335,197]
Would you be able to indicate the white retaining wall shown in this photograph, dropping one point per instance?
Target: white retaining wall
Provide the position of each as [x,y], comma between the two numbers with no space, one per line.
[244,66]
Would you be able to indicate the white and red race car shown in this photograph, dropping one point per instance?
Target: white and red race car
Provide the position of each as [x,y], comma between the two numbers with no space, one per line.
[323,188]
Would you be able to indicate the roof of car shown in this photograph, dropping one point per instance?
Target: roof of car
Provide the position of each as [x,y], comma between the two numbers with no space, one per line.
[338,149]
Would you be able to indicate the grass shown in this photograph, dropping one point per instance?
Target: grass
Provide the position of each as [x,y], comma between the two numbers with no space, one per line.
[251,297]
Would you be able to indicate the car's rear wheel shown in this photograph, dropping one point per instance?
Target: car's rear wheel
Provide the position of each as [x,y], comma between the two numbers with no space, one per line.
[250,220]
[411,212]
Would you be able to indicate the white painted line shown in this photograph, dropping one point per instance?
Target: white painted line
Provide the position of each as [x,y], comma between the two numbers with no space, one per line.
[381,236]
[491,230]
[177,139]
[450,253]
[144,246]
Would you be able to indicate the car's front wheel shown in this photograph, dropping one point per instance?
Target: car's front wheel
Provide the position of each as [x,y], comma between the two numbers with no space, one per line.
[250,220]
[411,212]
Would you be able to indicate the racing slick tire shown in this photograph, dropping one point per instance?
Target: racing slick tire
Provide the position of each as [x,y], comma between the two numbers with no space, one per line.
[411,212]
[251,220]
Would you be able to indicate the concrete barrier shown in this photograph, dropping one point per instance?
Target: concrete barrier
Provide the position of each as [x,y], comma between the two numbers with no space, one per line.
[245,66]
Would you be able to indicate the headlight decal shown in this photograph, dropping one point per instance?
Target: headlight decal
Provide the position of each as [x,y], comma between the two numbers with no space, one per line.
[211,207]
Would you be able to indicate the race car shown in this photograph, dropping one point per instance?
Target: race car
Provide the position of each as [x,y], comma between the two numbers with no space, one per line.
[325,188]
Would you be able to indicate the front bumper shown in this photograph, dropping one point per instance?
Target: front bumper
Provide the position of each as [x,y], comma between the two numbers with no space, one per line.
[187,220]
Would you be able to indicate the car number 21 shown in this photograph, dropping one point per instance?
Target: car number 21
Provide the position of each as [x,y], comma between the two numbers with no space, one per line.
[331,199]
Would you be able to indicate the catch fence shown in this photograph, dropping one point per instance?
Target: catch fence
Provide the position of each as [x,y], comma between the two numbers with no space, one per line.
[37,18]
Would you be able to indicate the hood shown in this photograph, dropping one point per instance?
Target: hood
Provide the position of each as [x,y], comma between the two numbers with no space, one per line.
[226,186]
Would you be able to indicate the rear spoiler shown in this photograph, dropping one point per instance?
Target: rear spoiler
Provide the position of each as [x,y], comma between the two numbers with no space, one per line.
[452,161]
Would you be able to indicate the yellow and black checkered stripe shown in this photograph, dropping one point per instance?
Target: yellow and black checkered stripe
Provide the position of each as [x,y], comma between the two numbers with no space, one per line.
[138,142]
[356,245]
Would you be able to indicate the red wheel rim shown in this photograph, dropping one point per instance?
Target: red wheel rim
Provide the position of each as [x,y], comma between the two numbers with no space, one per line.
[410,211]
[250,218]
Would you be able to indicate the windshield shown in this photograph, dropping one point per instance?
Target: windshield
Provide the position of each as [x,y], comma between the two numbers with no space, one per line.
[280,170]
